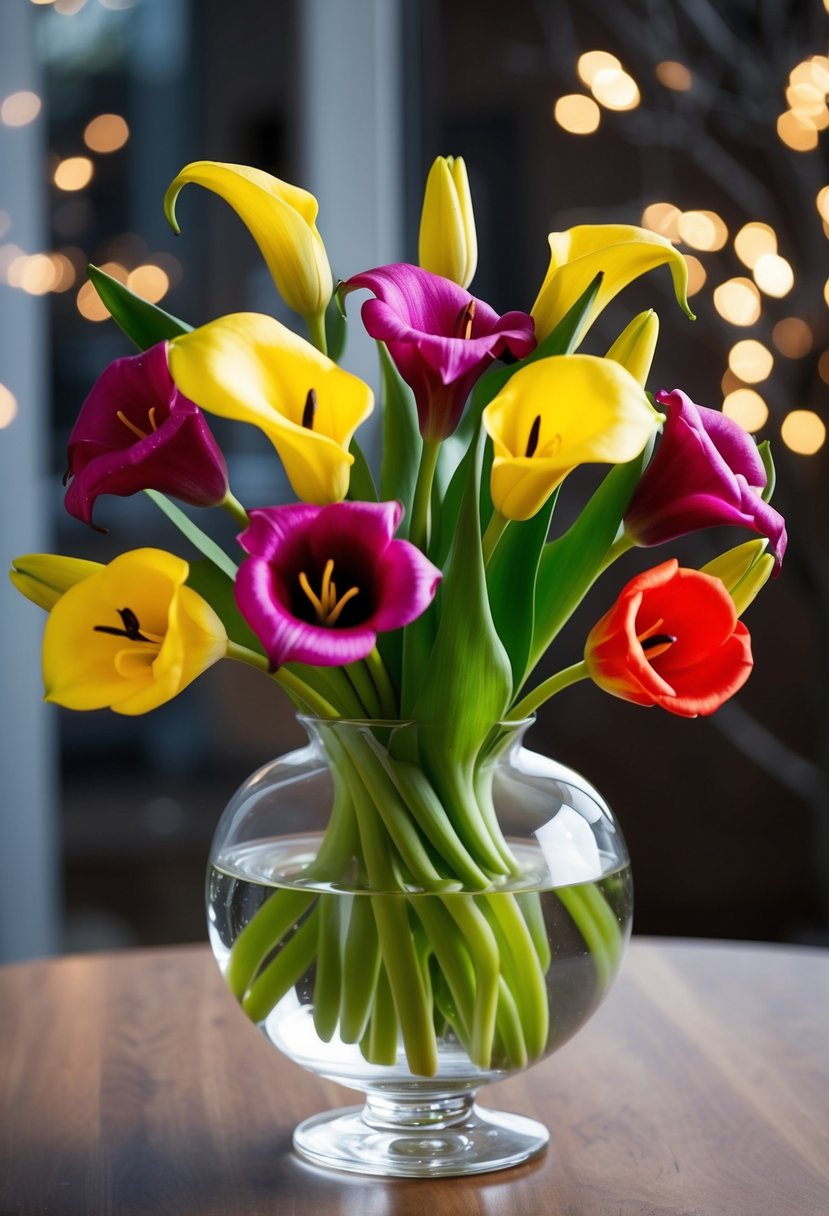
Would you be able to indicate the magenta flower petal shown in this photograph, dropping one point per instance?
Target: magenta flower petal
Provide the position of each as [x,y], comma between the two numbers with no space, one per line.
[440,337]
[706,472]
[137,432]
[321,582]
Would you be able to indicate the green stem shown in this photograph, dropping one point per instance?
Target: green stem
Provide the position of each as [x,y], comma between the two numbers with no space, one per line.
[419,526]
[316,331]
[363,685]
[289,966]
[548,688]
[383,684]
[328,978]
[496,528]
[361,966]
[620,545]
[235,509]
[296,688]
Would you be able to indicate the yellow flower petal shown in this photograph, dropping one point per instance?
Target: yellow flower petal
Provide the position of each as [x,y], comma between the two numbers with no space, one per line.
[565,411]
[635,346]
[250,368]
[43,577]
[744,570]
[177,637]
[281,219]
[621,251]
[448,243]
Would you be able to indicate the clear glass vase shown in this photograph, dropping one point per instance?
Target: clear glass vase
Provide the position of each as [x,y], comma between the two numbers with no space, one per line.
[414,925]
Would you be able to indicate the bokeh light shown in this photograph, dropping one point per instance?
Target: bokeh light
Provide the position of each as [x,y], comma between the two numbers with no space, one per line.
[773,275]
[674,75]
[106,133]
[19,109]
[753,240]
[614,89]
[577,113]
[73,173]
[823,367]
[703,230]
[738,301]
[746,407]
[823,203]
[796,133]
[90,305]
[8,406]
[792,337]
[803,432]
[751,361]
[696,274]
[592,62]
[662,218]
[149,281]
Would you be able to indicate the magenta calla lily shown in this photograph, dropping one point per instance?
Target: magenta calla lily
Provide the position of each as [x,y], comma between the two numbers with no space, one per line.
[136,431]
[706,472]
[440,337]
[321,582]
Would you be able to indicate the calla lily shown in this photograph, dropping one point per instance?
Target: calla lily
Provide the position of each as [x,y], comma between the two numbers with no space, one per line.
[129,636]
[448,243]
[706,471]
[636,345]
[744,571]
[621,252]
[136,431]
[441,338]
[43,577]
[281,219]
[321,582]
[555,414]
[671,639]
[249,367]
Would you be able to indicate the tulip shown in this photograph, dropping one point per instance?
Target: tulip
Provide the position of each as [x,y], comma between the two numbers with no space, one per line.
[281,219]
[137,432]
[671,639]
[249,367]
[440,337]
[621,251]
[706,471]
[43,577]
[129,636]
[321,582]
[448,244]
[555,414]
[744,571]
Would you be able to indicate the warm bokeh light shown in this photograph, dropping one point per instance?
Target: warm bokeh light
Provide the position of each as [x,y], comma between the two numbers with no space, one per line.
[90,305]
[703,230]
[751,361]
[592,62]
[696,274]
[74,173]
[737,301]
[68,8]
[823,203]
[21,108]
[65,273]
[149,281]
[826,292]
[662,218]
[37,274]
[746,407]
[805,101]
[674,75]
[813,71]
[729,382]
[753,240]
[8,406]
[115,270]
[577,113]
[614,89]
[798,135]
[792,337]
[106,133]
[803,432]
[823,367]
[773,275]
[170,265]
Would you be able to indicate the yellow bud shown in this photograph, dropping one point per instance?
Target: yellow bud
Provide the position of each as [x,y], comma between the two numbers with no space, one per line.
[743,570]
[448,243]
[636,344]
[44,577]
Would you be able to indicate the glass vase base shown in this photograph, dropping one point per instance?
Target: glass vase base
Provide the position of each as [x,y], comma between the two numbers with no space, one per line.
[478,1141]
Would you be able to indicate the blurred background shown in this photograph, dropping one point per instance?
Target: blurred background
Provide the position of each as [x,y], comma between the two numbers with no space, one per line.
[704,121]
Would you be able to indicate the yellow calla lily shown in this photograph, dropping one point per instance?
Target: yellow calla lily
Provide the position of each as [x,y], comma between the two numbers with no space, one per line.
[281,219]
[129,636]
[744,570]
[43,577]
[250,368]
[448,242]
[621,252]
[555,414]
[636,345]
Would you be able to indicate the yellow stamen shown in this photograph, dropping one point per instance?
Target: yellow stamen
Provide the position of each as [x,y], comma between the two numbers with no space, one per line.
[153,422]
[648,633]
[327,606]
[136,430]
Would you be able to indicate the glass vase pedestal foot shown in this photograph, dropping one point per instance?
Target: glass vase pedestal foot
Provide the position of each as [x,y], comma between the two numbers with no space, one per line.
[426,1138]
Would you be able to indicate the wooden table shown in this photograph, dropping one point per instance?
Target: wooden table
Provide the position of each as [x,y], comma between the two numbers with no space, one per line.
[131,1084]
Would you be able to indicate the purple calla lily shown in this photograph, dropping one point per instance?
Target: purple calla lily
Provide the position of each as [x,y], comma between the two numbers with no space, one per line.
[321,582]
[137,432]
[706,471]
[440,337]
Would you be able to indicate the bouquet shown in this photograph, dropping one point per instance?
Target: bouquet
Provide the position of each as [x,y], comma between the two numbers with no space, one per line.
[423,592]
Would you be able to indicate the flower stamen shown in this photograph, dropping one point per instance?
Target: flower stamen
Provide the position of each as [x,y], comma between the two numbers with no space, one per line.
[535,431]
[327,606]
[131,628]
[463,323]
[136,430]
[658,644]
[309,410]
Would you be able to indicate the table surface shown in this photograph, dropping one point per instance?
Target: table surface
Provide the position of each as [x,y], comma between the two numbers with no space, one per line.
[130,1083]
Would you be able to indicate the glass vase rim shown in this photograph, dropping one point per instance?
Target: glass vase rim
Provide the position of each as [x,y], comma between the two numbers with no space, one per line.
[315,720]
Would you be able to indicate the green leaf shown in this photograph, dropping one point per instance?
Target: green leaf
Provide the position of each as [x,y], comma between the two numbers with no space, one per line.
[361,483]
[214,585]
[764,450]
[511,578]
[402,444]
[336,328]
[204,543]
[142,322]
[571,564]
